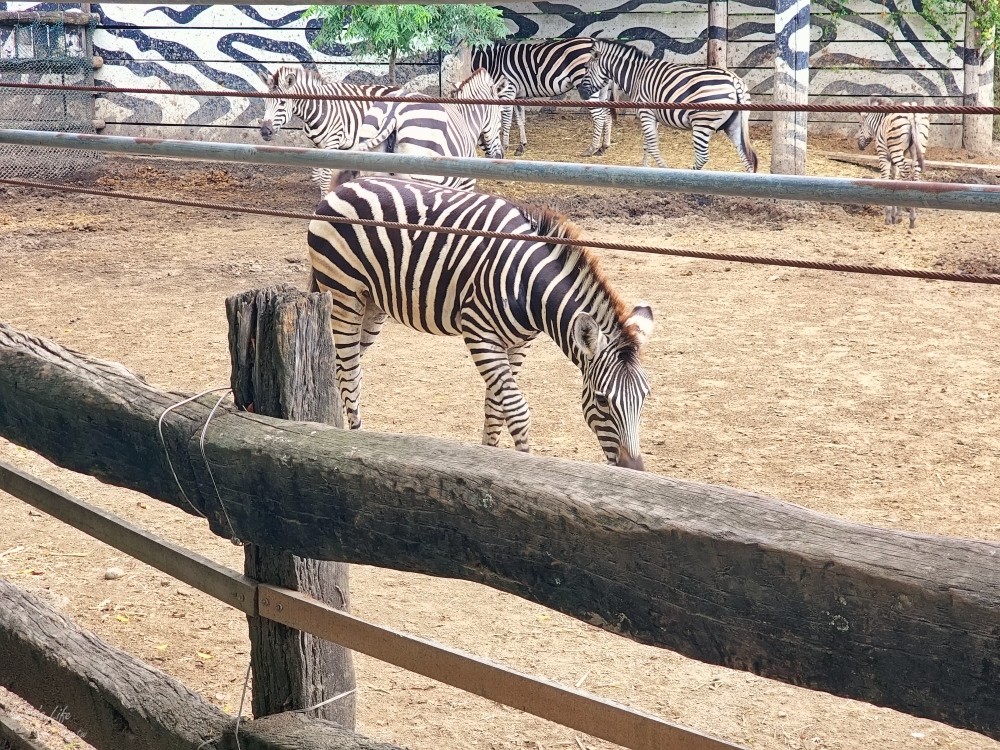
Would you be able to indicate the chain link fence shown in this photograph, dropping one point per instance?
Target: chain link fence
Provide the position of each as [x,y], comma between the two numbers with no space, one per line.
[46,47]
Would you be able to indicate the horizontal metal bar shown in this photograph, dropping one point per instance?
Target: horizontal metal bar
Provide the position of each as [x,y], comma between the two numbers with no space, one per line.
[951,196]
[567,706]
[216,580]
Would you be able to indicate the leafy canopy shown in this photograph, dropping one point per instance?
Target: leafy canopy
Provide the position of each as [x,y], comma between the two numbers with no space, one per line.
[389,31]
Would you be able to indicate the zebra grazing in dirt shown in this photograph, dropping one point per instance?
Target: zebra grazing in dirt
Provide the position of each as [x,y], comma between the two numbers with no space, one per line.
[648,80]
[427,129]
[497,294]
[900,142]
[538,69]
[328,124]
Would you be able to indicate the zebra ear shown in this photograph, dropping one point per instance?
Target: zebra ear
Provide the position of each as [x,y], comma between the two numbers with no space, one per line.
[588,335]
[639,324]
[289,79]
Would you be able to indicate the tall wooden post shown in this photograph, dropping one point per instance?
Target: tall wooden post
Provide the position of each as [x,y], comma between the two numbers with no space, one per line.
[791,86]
[283,366]
[977,130]
[718,32]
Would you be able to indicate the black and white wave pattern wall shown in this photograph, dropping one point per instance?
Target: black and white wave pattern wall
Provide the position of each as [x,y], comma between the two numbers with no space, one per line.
[869,47]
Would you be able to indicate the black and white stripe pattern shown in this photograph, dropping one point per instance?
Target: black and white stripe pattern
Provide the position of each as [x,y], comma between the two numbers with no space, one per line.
[901,143]
[648,80]
[497,294]
[540,69]
[328,124]
[422,128]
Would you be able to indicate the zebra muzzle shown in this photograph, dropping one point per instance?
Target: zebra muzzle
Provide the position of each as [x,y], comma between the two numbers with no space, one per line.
[627,461]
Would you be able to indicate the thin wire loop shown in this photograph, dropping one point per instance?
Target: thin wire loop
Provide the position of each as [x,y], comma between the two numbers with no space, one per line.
[166,451]
[538,102]
[201,445]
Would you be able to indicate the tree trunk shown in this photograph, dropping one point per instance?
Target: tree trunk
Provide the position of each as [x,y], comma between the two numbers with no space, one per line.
[283,366]
[977,130]
[791,86]
[718,32]
[392,67]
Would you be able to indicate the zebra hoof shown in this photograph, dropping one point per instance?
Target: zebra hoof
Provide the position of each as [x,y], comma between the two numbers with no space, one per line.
[520,150]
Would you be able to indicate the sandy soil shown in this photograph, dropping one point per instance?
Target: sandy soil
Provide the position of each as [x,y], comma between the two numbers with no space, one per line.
[870,398]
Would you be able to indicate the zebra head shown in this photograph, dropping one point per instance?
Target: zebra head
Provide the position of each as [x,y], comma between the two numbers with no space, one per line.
[480,85]
[868,122]
[276,111]
[614,383]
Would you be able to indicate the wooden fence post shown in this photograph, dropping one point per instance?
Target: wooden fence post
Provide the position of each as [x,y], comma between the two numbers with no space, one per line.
[978,54]
[283,366]
[791,86]
[718,32]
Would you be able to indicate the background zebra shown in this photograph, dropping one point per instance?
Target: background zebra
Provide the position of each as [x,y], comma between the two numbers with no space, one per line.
[537,69]
[497,294]
[900,142]
[428,129]
[648,80]
[328,124]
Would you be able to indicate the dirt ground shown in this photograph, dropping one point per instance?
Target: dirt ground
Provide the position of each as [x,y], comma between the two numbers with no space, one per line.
[869,398]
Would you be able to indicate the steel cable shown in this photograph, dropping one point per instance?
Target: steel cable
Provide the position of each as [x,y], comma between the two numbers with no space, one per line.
[911,273]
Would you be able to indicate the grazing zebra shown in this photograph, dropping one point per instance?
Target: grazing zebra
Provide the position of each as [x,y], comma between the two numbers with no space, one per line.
[897,135]
[427,129]
[537,69]
[649,80]
[328,124]
[497,294]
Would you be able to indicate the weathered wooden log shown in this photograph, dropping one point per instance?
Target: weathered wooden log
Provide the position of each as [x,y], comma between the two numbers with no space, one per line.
[15,737]
[893,618]
[282,353]
[118,701]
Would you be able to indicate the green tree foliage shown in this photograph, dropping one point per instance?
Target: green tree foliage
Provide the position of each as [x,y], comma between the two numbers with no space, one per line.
[392,32]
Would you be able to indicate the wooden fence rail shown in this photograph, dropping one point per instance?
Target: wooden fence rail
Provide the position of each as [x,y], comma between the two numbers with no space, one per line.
[567,706]
[117,701]
[897,619]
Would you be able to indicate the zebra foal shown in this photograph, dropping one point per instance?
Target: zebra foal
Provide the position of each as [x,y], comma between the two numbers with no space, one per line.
[328,124]
[647,80]
[539,69]
[422,128]
[900,142]
[498,295]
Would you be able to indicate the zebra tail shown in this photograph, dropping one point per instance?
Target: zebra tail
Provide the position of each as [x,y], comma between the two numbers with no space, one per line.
[918,141]
[742,97]
[612,87]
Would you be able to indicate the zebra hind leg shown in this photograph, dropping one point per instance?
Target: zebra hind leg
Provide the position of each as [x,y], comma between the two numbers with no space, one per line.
[702,135]
[650,138]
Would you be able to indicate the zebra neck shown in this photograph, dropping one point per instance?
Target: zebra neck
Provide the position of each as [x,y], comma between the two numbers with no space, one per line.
[591,298]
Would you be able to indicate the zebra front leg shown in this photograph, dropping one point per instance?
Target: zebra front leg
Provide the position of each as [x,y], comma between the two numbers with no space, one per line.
[504,401]
[519,116]
[650,138]
[371,326]
[346,322]
[597,147]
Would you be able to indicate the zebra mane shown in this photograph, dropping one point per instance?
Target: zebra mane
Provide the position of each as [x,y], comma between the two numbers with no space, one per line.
[877,101]
[622,49]
[549,223]
[301,73]
[476,74]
